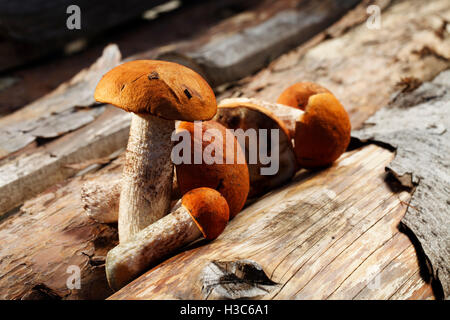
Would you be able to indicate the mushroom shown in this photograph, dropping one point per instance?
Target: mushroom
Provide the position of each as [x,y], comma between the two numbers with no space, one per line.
[230,179]
[287,115]
[100,197]
[202,212]
[157,93]
[322,133]
[297,95]
[238,114]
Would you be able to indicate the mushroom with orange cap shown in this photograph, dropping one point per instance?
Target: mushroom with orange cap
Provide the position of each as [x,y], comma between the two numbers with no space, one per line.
[202,212]
[229,175]
[322,133]
[297,95]
[249,114]
[157,93]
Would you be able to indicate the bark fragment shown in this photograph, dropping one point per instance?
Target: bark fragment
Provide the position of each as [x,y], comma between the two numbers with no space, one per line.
[417,125]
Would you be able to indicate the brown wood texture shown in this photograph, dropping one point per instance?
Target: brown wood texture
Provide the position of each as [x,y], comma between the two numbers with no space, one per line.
[363,66]
[334,59]
[327,235]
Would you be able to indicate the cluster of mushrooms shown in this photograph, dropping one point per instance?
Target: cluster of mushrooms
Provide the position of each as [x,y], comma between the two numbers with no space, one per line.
[153,222]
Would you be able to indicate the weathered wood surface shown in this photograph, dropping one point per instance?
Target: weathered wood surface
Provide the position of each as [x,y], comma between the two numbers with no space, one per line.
[65,203]
[269,32]
[327,235]
[49,234]
[57,113]
[410,43]
[417,125]
[23,176]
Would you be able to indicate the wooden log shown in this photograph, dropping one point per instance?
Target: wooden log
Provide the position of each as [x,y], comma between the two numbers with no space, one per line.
[316,238]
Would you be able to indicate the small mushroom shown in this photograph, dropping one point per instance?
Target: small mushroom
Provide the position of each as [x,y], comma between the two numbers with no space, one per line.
[322,133]
[237,114]
[298,94]
[202,212]
[230,179]
[100,197]
[157,93]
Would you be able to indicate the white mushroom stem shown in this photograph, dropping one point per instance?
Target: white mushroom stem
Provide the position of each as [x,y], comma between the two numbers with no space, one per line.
[288,115]
[101,197]
[147,175]
[128,260]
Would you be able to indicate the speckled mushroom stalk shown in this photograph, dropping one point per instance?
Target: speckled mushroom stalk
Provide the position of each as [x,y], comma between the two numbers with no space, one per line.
[147,175]
[202,212]
[289,116]
[157,93]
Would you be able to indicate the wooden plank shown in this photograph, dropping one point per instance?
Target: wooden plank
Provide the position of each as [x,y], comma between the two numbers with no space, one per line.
[57,113]
[30,174]
[269,33]
[50,234]
[308,239]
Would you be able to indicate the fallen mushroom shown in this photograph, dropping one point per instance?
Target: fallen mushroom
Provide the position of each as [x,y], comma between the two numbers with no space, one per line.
[101,196]
[202,212]
[286,114]
[158,93]
[322,133]
[235,114]
[230,179]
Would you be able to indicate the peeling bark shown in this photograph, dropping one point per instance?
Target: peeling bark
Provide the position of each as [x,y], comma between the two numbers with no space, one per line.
[417,125]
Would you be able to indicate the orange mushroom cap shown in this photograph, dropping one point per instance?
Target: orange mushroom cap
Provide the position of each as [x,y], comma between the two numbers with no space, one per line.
[231,180]
[209,210]
[323,133]
[298,94]
[160,88]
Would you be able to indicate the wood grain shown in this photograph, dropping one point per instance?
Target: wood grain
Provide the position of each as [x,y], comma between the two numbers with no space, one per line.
[318,237]
[300,222]
[269,32]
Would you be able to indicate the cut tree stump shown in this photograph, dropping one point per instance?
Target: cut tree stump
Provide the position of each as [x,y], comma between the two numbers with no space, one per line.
[327,235]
